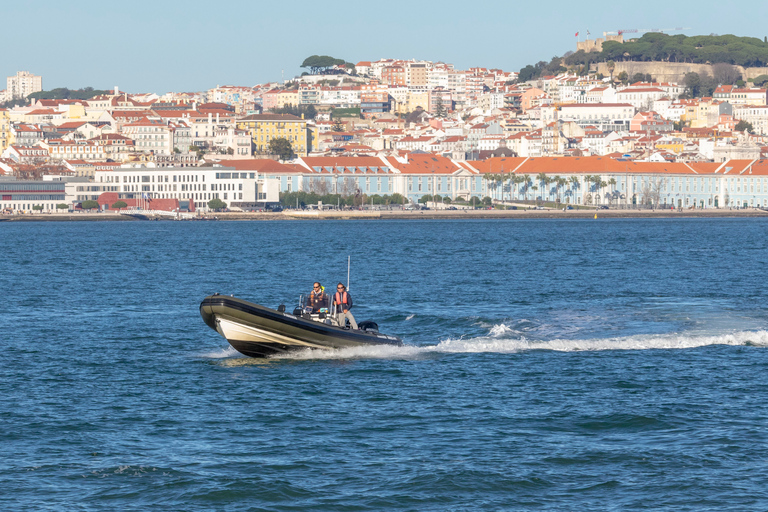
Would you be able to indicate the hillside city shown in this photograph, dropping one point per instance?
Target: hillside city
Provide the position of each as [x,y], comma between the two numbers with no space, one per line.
[389,130]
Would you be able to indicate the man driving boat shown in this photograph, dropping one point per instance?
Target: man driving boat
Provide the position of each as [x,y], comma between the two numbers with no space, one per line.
[317,298]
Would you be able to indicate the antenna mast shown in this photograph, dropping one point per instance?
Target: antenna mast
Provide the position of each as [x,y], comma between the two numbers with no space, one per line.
[349,259]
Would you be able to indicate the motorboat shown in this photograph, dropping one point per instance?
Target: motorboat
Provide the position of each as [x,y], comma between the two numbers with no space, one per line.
[258,331]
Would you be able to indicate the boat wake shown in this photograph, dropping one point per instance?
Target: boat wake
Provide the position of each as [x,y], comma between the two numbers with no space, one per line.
[499,340]
[221,353]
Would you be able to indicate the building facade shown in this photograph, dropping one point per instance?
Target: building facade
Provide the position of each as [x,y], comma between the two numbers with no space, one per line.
[263,128]
[23,84]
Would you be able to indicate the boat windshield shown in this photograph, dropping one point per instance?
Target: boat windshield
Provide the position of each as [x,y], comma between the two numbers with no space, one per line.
[315,304]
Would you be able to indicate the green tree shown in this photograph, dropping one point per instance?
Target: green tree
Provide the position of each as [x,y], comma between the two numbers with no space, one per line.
[397,198]
[439,108]
[281,147]
[425,199]
[743,125]
[611,66]
[623,77]
[319,64]
[89,205]
[527,73]
[487,201]
[62,206]
[216,204]
[38,207]
[119,204]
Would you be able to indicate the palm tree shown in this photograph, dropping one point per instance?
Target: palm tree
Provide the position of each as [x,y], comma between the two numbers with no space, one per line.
[491,179]
[574,186]
[600,186]
[561,182]
[527,183]
[535,188]
[542,178]
[612,183]
[591,179]
[517,181]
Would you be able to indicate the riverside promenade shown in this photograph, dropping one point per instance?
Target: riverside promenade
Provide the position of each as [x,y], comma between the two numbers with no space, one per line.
[404,215]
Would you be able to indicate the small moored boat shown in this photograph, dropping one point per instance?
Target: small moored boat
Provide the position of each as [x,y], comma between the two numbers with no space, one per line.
[258,331]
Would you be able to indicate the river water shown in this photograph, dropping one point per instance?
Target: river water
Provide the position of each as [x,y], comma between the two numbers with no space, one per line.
[549,365]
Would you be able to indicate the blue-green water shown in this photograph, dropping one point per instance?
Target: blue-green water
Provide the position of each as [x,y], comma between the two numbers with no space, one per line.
[549,365]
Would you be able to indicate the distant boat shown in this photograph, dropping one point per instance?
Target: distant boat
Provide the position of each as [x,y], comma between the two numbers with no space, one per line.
[258,331]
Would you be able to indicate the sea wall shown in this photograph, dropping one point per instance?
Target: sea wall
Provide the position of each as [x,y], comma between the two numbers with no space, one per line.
[671,71]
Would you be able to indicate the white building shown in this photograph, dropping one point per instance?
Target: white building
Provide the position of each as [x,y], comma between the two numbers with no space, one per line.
[641,98]
[23,84]
[198,184]
[605,116]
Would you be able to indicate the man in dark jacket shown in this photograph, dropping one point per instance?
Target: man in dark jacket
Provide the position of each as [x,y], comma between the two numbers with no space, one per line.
[317,298]
[343,302]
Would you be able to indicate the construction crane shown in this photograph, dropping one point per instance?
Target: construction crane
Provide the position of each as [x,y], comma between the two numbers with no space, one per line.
[637,30]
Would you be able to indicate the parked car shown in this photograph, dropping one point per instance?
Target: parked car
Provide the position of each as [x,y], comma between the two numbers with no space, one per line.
[451,208]
[602,207]
[569,207]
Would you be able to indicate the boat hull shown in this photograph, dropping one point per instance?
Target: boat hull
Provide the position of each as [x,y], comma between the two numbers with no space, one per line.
[256,331]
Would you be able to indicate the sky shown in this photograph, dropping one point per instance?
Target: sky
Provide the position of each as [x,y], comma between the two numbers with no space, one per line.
[171,46]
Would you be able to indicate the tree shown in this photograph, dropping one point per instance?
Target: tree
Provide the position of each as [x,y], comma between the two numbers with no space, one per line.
[725,74]
[487,201]
[544,180]
[527,73]
[62,206]
[439,108]
[216,204]
[62,93]
[743,125]
[281,147]
[425,199]
[397,198]
[611,66]
[692,83]
[89,205]
[623,77]
[119,204]
[38,207]
[319,64]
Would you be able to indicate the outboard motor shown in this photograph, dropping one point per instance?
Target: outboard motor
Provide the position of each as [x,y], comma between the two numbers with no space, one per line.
[369,326]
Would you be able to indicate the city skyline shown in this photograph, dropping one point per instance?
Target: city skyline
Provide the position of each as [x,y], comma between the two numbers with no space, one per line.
[153,47]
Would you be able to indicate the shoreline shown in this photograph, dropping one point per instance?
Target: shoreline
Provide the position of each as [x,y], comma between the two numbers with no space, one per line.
[405,215]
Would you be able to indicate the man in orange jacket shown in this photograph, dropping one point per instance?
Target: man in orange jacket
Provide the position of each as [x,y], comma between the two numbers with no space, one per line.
[343,302]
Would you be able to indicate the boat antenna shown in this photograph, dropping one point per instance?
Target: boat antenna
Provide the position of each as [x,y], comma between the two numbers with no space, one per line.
[349,259]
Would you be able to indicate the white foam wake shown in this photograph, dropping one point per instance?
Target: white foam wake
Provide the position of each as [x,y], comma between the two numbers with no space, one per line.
[496,343]
[221,353]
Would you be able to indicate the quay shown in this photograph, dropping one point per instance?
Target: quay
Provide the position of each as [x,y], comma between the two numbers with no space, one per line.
[399,214]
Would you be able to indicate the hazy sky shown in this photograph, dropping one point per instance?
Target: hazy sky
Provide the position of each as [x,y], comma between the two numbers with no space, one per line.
[167,45]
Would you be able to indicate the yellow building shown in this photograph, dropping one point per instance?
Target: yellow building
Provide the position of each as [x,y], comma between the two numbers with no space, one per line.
[673,147]
[417,99]
[288,97]
[5,130]
[265,127]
